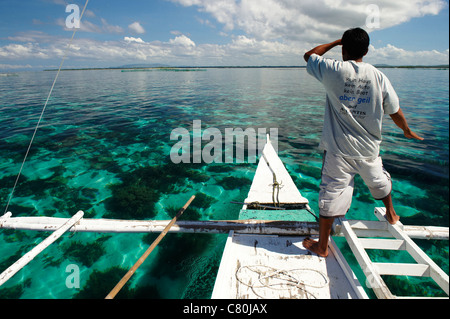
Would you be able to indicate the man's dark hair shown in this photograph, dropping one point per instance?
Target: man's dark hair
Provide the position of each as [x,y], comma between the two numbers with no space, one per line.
[356,42]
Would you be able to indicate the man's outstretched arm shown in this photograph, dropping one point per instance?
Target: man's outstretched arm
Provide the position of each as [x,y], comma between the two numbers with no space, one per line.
[321,49]
[400,120]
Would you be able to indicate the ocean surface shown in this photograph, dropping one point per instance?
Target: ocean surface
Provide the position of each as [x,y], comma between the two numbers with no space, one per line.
[104,147]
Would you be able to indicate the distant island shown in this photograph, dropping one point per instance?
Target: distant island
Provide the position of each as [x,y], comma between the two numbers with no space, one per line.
[158,66]
[387,66]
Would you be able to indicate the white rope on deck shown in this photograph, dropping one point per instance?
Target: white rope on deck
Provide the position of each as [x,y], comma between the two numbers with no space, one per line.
[42,112]
[280,279]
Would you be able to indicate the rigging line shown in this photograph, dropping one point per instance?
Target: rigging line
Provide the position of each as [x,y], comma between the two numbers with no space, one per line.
[43,110]
[275,185]
[311,212]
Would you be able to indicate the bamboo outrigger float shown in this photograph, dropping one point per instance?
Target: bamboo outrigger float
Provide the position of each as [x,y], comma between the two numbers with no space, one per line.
[251,226]
[264,256]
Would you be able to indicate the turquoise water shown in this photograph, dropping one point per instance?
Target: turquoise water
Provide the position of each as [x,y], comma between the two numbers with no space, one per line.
[104,147]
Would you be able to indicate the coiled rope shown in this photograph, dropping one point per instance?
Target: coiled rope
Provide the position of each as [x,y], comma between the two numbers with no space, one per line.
[265,277]
[42,112]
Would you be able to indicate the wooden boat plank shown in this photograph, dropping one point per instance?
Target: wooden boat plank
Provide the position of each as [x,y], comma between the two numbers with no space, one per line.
[261,266]
[274,267]
[262,189]
[402,269]
[387,244]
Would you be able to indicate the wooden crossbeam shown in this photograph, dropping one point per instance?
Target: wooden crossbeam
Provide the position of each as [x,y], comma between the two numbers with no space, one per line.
[403,269]
[387,244]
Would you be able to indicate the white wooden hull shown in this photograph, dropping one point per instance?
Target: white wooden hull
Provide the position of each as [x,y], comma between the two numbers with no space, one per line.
[276,267]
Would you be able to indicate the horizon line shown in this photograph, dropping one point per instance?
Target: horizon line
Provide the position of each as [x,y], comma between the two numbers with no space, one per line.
[446,66]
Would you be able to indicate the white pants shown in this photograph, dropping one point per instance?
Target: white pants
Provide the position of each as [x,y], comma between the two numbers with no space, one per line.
[336,188]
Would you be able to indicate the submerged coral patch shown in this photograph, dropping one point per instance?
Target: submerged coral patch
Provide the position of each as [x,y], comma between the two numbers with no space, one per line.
[16,291]
[100,284]
[231,182]
[191,213]
[136,195]
[203,201]
[175,249]
[85,253]
[132,201]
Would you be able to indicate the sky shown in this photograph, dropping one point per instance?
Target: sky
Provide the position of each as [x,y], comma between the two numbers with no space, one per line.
[34,34]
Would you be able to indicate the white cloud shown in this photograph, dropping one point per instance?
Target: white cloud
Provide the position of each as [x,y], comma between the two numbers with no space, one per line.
[109,28]
[183,41]
[131,39]
[397,56]
[23,51]
[88,26]
[89,14]
[14,66]
[136,27]
[245,46]
[85,25]
[31,36]
[222,10]
[308,20]
[181,50]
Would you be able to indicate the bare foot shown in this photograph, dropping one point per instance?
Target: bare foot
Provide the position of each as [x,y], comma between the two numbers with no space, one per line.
[313,246]
[392,218]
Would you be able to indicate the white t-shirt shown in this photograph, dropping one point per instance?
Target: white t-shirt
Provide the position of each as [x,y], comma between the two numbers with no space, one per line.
[358,96]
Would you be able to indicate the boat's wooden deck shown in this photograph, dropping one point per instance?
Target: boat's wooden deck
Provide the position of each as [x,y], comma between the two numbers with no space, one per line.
[277,267]
[274,267]
[271,170]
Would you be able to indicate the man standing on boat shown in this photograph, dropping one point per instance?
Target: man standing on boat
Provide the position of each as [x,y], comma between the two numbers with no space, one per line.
[358,95]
